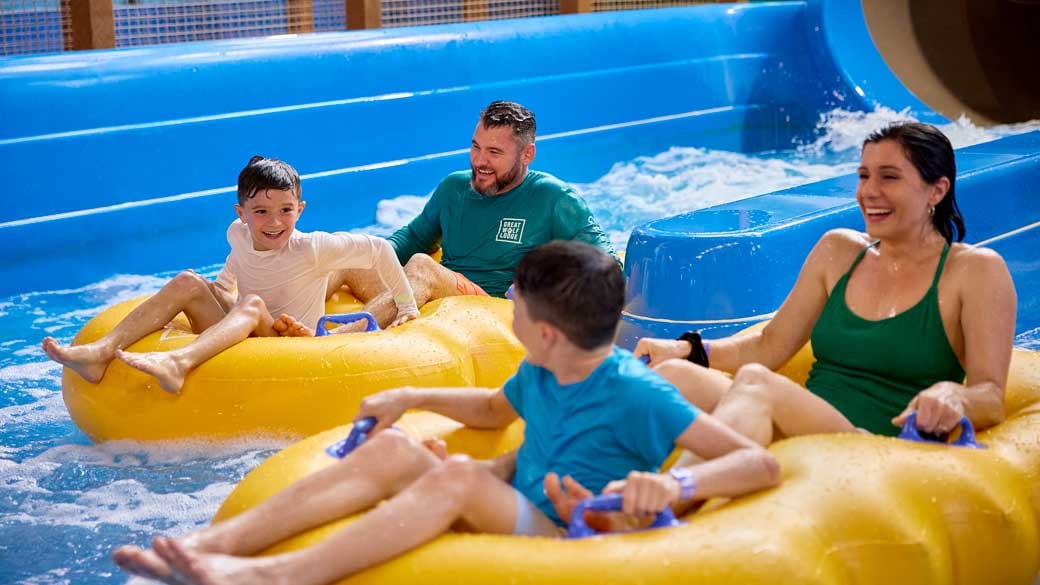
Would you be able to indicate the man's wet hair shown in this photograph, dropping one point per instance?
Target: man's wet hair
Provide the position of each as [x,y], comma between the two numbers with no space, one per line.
[575,287]
[513,115]
[263,173]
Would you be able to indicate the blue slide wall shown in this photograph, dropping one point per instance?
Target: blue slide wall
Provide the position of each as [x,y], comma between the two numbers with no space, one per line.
[124,161]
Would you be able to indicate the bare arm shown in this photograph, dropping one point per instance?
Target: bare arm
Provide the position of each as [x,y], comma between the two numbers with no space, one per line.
[988,307]
[789,329]
[734,465]
[481,408]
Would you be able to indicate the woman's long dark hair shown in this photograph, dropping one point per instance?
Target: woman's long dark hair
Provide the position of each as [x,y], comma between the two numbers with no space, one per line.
[931,153]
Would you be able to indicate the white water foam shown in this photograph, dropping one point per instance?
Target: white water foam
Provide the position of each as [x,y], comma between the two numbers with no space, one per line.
[102,494]
[680,180]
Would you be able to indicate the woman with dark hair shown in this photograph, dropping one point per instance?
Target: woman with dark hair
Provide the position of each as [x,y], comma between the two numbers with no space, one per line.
[902,318]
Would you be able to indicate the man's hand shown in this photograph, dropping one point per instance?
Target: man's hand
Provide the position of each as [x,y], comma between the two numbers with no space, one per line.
[387,407]
[939,407]
[660,350]
[406,310]
[645,494]
[404,316]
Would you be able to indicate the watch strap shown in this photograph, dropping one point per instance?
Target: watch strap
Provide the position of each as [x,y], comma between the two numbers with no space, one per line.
[698,350]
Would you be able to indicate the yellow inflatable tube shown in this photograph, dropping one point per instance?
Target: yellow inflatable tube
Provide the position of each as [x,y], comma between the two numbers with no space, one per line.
[852,509]
[292,386]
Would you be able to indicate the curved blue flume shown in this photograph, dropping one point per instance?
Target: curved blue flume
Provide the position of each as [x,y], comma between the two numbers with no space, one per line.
[119,161]
[722,269]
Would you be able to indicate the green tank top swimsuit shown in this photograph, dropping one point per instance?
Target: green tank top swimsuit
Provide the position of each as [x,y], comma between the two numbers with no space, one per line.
[870,370]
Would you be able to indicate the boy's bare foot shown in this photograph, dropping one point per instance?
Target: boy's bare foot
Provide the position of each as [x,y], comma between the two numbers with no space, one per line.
[89,361]
[436,446]
[289,326]
[161,365]
[355,327]
[199,568]
[144,563]
[566,495]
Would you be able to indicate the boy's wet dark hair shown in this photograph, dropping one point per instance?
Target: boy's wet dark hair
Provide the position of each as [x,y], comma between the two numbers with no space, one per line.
[512,114]
[266,173]
[575,287]
[931,153]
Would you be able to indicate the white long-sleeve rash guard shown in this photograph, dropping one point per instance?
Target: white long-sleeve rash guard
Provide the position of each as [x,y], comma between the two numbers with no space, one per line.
[293,280]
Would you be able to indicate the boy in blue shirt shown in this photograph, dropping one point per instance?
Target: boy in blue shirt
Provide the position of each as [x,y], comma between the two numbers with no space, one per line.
[592,412]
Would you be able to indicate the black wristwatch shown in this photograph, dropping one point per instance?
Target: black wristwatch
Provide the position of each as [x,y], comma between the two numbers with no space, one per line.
[698,354]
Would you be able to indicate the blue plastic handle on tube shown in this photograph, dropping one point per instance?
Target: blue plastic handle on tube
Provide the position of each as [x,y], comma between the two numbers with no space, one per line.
[343,319]
[610,503]
[910,432]
[341,449]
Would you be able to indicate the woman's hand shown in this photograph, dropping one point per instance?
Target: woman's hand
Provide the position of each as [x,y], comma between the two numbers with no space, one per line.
[660,350]
[939,408]
[645,494]
[386,407]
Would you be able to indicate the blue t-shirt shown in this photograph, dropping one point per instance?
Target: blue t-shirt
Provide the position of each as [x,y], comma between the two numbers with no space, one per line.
[623,417]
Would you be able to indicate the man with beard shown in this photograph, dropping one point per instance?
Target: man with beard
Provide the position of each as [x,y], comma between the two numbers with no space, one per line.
[484,221]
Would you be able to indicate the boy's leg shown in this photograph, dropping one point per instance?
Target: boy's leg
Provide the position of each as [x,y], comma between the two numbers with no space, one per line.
[171,368]
[382,466]
[187,292]
[458,490]
[430,281]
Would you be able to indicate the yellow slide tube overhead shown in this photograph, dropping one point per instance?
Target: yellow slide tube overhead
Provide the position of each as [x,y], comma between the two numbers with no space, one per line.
[292,386]
[852,509]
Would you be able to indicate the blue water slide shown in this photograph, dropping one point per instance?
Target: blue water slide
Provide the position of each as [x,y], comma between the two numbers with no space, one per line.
[124,160]
[727,267]
[722,269]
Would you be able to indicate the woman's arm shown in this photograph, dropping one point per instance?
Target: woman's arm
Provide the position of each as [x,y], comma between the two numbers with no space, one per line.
[987,320]
[792,324]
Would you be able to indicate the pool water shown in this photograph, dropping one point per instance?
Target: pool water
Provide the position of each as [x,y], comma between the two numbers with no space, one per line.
[65,503]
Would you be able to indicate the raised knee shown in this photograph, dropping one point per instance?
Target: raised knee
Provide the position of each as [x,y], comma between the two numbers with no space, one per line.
[189,282]
[394,445]
[751,384]
[252,305]
[752,374]
[456,474]
[419,262]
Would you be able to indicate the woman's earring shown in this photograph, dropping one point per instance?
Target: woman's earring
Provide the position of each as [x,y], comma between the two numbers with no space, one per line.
[931,210]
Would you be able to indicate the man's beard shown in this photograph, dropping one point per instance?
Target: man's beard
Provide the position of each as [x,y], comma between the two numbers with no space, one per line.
[500,182]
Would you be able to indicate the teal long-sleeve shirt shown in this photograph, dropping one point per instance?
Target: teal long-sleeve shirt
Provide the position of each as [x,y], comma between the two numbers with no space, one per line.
[484,237]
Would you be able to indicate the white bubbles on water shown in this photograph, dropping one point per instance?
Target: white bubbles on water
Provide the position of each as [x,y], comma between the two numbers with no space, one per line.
[684,179]
[136,486]
[843,131]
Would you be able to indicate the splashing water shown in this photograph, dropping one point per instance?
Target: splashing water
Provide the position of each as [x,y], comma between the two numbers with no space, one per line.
[65,504]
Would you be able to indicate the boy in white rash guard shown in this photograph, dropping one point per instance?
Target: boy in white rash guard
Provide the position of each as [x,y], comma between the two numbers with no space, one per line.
[277,270]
